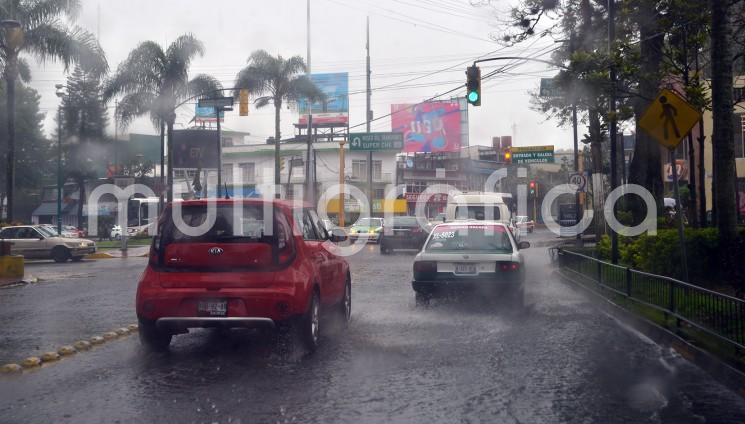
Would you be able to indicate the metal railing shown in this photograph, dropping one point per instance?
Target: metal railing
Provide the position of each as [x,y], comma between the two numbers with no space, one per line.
[717,314]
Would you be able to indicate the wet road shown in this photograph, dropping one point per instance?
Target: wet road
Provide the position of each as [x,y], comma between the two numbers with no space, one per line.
[561,360]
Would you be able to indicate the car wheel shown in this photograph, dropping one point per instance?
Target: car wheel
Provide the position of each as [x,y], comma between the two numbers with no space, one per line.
[153,339]
[60,254]
[77,258]
[422,299]
[309,327]
[345,306]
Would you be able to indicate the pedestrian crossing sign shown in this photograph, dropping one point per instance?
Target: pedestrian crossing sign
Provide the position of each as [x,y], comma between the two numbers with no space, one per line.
[669,119]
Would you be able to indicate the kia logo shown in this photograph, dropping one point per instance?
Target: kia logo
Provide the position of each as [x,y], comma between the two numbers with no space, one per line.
[216,251]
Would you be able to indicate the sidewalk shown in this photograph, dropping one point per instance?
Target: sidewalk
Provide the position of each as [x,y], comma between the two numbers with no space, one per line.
[138,251]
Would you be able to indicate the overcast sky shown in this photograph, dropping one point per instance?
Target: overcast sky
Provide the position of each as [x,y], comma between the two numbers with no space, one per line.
[409,39]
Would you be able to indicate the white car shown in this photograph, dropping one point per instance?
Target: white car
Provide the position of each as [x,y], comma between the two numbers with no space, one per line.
[38,242]
[480,256]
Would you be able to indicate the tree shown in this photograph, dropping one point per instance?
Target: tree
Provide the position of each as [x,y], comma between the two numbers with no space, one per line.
[156,81]
[723,142]
[274,80]
[84,121]
[34,158]
[40,31]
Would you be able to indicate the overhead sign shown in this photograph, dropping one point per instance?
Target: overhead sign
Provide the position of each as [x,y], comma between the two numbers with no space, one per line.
[532,154]
[335,109]
[669,119]
[429,126]
[219,102]
[207,114]
[549,89]
[376,141]
[579,180]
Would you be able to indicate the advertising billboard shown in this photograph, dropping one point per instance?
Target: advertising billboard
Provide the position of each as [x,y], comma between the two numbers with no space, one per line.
[195,149]
[206,114]
[428,127]
[335,109]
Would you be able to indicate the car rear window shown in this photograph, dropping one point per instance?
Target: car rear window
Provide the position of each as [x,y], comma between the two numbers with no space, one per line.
[403,221]
[469,238]
[248,227]
[478,212]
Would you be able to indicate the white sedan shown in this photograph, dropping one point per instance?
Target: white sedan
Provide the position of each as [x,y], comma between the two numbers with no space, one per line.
[477,255]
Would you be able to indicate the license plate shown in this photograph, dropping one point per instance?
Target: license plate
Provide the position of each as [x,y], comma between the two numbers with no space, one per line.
[466,269]
[212,308]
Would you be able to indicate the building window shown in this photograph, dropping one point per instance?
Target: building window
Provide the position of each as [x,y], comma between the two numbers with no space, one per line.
[227,173]
[359,170]
[379,193]
[739,125]
[248,172]
[227,141]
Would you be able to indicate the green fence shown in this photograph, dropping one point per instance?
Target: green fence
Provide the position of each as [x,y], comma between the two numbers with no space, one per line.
[714,313]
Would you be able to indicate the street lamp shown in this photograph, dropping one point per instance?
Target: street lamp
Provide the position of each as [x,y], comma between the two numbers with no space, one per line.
[60,93]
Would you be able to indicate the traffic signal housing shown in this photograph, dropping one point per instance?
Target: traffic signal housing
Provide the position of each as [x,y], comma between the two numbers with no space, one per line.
[507,156]
[473,85]
[533,186]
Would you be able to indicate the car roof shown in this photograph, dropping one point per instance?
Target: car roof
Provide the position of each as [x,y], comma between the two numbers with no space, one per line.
[471,223]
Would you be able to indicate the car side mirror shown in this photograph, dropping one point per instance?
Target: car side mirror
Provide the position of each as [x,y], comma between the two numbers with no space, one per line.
[337,235]
[523,245]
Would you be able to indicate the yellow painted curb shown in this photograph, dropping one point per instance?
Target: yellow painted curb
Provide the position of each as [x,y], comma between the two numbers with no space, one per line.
[50,357]
[31,362]
[109,335]
[132,327]
[122,331]
[67,350]
[10,369]
[99,255]
[97,340]
[81,345]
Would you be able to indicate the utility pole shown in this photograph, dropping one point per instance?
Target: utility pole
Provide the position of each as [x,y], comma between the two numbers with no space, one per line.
[341,182]
[219,154]
[59,170]
[368,112]
[116,136]
[310,187]
[613,127]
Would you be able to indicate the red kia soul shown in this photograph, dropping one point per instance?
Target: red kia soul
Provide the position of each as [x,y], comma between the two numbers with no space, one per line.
[261,263]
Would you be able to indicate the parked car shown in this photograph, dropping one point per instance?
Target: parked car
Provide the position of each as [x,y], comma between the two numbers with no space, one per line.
[470,255]
[116,232]
[367,227]
[402,232]
[249,278]
[525,223]
[38,242]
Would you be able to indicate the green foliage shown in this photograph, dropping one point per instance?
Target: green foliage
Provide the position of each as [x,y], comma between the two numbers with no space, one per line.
[84,115]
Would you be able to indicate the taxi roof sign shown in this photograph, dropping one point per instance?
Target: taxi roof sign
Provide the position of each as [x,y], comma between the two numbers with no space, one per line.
[669,119]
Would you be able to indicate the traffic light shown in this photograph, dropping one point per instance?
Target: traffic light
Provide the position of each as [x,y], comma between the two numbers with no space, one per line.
[281,164]
[473,85]
[507,156]
[533,187]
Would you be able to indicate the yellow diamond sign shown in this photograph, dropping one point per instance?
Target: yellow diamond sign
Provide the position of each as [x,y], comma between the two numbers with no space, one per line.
[669,119]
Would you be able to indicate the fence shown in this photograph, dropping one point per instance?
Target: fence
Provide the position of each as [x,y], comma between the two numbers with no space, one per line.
[714,313]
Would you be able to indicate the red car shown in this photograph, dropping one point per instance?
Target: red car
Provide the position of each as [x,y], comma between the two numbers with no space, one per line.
[271,269]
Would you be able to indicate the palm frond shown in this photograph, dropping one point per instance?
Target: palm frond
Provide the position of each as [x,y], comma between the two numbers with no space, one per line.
[143,70]
[263,101]
[292,67]
[258,81]
[32,14]
[24,70]
[204,85]
[179,56]
[53,41]
[132,106]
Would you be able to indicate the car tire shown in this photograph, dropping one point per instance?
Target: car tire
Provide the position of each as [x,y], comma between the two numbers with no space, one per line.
[309,325]
[153,339]
[422,299]
[344,309]
[77,258]
[60,254]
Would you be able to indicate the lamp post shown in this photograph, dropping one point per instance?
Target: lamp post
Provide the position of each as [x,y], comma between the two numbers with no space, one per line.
[60,93]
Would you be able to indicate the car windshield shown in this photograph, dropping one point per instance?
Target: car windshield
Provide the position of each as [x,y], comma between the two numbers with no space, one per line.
[369,222]
[469,238]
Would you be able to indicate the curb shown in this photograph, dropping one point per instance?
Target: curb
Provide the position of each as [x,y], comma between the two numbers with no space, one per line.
[719,370]
[35,362]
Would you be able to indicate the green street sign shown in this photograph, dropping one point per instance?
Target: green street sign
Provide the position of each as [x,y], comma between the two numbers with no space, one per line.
[376,141]
[532,154]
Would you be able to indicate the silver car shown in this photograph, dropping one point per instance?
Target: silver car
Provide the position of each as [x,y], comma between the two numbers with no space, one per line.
[39,242]
[479,256]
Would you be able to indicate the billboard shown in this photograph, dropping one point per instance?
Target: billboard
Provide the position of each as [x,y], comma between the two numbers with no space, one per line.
[333,111]
[428,127]
[195,149]
[206,114]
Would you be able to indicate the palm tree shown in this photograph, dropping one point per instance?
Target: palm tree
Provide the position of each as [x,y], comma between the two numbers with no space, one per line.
[37,28]
[274,80]
[156,81]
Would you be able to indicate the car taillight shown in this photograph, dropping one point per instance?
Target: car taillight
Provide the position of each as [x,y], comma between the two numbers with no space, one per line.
[425,267]
[509,266]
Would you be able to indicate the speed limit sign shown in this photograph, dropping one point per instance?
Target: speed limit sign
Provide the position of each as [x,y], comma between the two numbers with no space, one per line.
[578,180]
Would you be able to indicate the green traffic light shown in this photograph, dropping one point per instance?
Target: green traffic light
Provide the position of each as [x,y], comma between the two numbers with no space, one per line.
[473,96]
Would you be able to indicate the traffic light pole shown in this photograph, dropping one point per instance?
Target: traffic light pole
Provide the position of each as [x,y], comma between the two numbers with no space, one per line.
[368,112]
